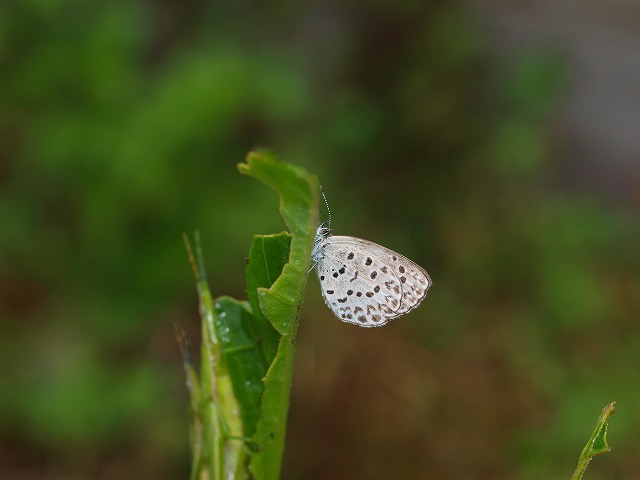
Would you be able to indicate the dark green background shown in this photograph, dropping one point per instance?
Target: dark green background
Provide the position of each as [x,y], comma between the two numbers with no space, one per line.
[120,127]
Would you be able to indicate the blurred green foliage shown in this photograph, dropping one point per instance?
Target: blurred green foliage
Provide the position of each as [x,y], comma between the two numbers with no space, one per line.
[120,127]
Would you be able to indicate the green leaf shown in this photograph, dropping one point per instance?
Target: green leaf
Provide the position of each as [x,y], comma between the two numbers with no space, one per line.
[248,341]
[242,357]
[281,303]
[267,257]
[597,444]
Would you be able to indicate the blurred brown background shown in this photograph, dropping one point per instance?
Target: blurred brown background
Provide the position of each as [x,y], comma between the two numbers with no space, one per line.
[495,143]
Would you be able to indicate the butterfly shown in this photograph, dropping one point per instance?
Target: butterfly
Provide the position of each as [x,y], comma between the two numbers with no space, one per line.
[365,283]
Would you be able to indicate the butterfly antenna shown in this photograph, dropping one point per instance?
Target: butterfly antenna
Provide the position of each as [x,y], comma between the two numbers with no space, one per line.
[326,204]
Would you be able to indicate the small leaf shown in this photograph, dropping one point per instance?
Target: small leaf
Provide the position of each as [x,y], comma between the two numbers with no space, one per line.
[597,444]
[242,358]
[267,257]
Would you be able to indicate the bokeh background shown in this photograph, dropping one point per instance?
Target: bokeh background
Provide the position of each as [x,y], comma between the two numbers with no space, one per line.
[496,143]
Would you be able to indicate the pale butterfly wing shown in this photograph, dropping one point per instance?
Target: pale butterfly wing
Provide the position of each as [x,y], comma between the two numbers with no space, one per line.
[367,284]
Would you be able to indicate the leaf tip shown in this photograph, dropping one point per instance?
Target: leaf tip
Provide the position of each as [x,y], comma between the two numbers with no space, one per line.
[254,157]
[608,411]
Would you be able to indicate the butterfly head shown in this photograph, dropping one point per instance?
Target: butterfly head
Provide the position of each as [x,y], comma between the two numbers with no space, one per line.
[322,233]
